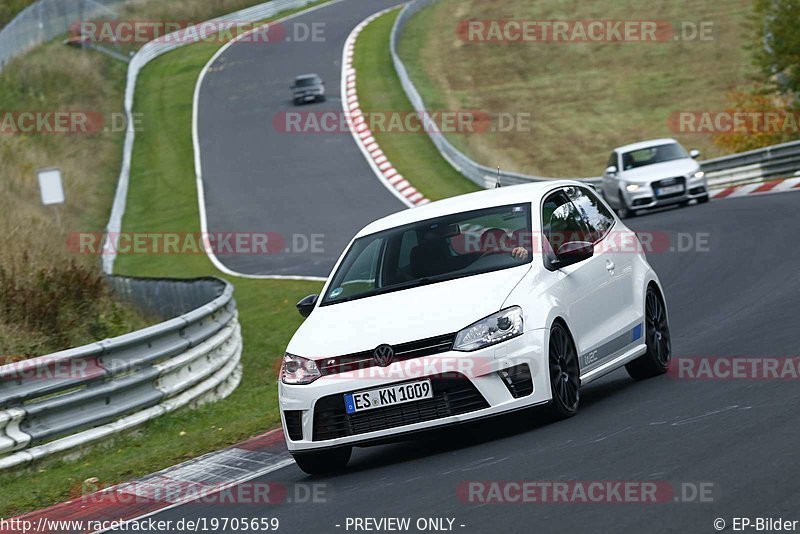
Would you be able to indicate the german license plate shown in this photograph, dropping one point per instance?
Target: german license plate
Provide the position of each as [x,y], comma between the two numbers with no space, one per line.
[669,190]
[388,396]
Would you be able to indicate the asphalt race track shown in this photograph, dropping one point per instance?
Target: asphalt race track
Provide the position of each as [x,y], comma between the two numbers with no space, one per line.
[258,178]
[736,294]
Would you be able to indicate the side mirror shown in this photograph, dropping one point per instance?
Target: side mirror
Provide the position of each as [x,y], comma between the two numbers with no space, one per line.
[695,154]
[573,252]
[611,171]
[292,87]
[323,82]
[306,306]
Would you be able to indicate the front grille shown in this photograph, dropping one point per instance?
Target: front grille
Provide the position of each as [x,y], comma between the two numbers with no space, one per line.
[518,380]
[678,180]
[402,352]
[453,394]
[294,424]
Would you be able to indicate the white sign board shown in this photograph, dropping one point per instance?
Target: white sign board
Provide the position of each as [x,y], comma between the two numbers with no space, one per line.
[50,186]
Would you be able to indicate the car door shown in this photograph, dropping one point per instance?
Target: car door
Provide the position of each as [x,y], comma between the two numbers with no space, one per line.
[586,290]
[617,245]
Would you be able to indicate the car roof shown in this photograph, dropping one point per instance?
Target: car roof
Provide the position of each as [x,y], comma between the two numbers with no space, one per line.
[472,201]
[645,144]
[305,76]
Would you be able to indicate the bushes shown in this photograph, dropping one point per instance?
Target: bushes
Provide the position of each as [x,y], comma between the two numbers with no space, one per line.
[55,307]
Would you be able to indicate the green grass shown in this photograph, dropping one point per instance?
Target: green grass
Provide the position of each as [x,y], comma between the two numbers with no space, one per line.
[412,154]
[584,98]
[162,198]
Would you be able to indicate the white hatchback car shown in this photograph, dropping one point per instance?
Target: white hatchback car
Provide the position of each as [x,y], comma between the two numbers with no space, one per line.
[653,174]
[466,308]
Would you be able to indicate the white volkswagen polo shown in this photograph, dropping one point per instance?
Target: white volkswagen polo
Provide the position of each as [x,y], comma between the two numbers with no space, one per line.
[466,308]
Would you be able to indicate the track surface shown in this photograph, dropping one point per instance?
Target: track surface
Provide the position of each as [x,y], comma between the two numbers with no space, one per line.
[260,179]
[741,297]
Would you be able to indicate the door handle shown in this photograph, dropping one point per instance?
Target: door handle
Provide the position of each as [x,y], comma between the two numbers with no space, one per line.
[610,266]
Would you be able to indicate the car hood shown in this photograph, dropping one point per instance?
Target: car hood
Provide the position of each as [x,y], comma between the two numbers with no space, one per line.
[405,315]
[657,171]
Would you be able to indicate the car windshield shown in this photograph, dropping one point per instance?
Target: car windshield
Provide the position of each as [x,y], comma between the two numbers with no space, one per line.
[651,155]
[307,82]
[434,250]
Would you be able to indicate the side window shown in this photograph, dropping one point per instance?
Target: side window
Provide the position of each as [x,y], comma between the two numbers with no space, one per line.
[612,161]
[598,218]
[561,223]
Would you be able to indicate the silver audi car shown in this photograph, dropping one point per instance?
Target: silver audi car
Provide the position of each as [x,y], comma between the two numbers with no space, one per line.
[652,174]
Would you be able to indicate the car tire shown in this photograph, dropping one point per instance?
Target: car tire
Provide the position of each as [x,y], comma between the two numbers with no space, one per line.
[702,200]
[323,98]
[565,380]
[324,461]
[624,211]
[656,360]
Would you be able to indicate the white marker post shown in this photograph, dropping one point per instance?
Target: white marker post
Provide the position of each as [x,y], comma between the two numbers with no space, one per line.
[52,189]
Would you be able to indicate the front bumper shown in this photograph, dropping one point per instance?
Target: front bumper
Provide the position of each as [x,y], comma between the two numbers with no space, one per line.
[645,197]
[482,369]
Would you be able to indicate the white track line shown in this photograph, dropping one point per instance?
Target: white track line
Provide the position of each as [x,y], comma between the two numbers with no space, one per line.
[198,166]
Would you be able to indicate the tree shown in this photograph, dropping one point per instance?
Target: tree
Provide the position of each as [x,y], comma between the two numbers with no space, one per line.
[777,46]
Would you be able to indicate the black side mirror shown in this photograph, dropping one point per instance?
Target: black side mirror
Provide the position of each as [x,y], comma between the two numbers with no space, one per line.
[573,252]
[306,306]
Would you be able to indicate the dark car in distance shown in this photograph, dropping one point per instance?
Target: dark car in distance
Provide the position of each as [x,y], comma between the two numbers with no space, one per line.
[308,88]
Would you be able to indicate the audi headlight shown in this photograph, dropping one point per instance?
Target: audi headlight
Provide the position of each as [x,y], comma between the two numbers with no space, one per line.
[498,327]
[632,187]
[698,174]
[296,370]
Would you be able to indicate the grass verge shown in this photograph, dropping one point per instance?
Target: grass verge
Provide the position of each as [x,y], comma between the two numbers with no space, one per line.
[584,98]
[163,198]
[413,154]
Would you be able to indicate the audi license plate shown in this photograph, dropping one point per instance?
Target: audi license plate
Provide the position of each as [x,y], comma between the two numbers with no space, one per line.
[670,190]
[388,396]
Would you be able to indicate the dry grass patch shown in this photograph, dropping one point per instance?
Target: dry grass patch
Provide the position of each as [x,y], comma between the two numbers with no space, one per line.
[585,98]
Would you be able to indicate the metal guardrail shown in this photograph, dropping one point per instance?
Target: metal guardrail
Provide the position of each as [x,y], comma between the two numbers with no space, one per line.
[45,20]
[747,167]
[60,401]
[145,55]
[754,166]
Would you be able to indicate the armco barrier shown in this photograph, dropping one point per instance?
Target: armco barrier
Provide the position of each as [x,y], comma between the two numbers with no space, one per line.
[763,164]
[145,55]
[60,401]
[748,167]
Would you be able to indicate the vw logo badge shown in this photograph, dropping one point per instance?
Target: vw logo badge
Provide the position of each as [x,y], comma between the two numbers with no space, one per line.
[383,355]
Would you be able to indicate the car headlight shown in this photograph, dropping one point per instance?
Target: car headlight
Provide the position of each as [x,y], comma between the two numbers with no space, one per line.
[296,370]
[632,187]
[498,327]
[698,174]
